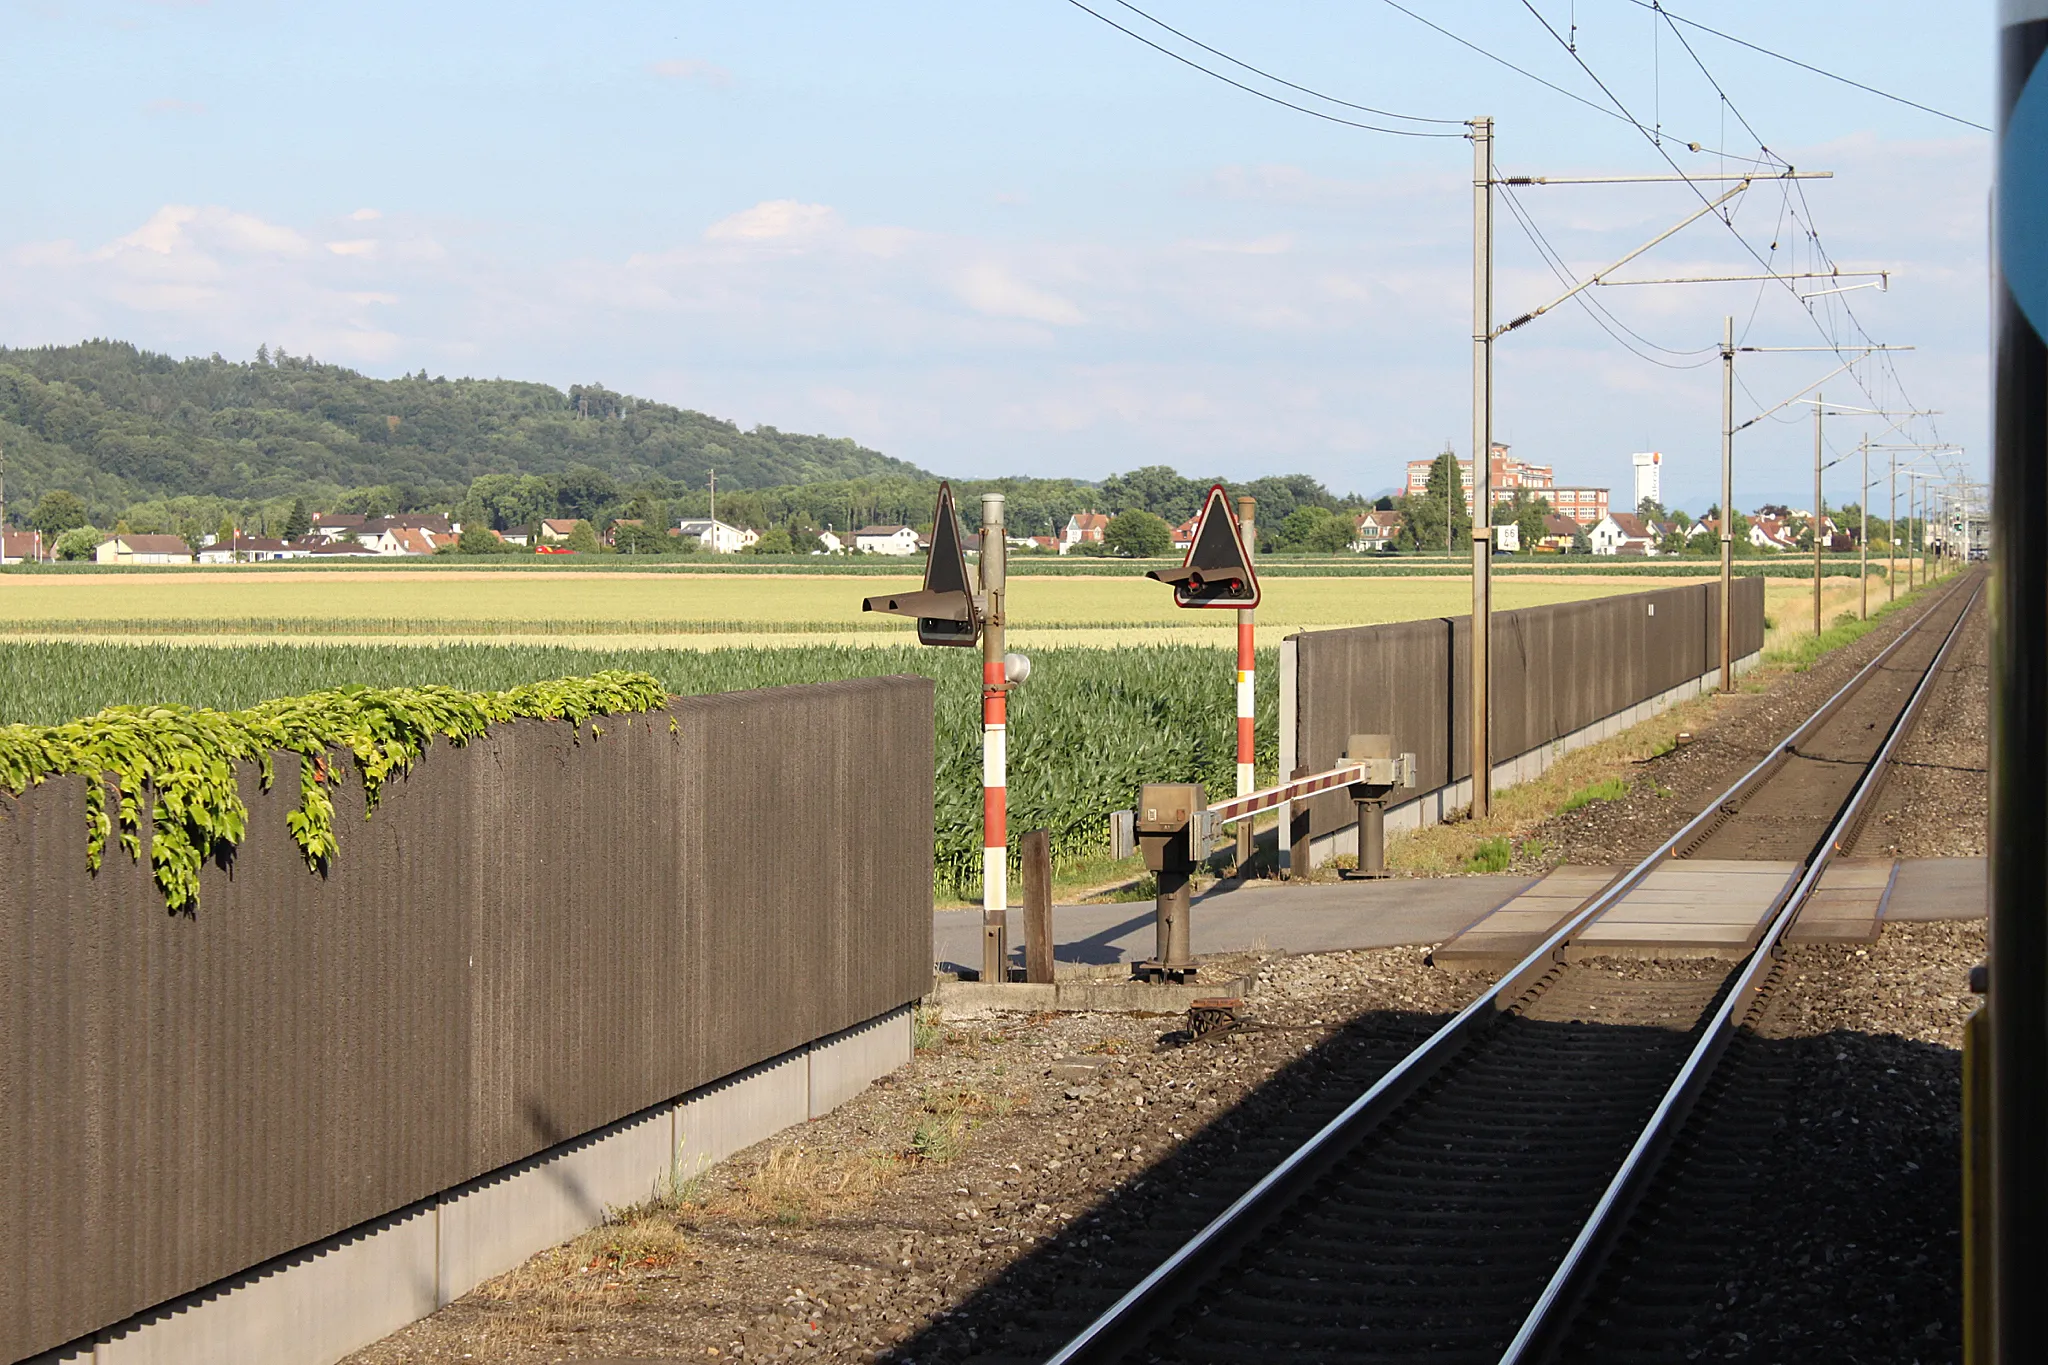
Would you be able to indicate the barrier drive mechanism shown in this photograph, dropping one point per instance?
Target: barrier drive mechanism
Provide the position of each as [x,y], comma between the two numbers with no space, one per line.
[1174,826]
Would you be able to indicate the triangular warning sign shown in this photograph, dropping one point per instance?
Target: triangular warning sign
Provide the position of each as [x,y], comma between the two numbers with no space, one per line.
[945,608]
[1217,571]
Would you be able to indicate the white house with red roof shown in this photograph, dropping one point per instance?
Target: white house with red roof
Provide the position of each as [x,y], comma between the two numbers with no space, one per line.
[1083,528]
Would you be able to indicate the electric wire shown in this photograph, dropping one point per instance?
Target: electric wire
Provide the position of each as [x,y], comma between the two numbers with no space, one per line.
[1279,80]
[1572,95]
[1676,19]
[1812,232]
[1254,90]
[1599,312]
[1826,333]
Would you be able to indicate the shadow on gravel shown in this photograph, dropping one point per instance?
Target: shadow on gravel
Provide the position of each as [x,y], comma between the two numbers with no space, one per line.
[1811,1212]
[1813,1200]
[1053,1291]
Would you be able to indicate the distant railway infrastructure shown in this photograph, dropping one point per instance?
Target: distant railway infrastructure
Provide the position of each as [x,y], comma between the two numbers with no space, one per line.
[1469,1204]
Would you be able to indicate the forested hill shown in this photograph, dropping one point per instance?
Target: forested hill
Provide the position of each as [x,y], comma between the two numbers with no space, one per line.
[118,425]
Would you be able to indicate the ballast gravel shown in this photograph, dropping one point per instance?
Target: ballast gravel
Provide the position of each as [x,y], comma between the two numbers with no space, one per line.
[1853,1246]
[1019,1167]
[1934,804]
[1936,801]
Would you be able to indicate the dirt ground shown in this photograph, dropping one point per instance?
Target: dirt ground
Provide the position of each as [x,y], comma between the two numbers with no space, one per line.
[985,1201]
[1061,1154]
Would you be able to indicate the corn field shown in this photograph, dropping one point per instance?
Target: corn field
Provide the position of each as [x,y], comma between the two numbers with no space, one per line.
[1090,726]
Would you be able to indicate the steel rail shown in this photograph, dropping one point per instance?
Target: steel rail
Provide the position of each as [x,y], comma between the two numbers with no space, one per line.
[1134,1312]
[1552,1310]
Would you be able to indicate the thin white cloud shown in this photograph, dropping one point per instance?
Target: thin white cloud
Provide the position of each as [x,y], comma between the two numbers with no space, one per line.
[1273,244]
[366,215]
[1260,336]
[695,70]
[989,287]
[775,220]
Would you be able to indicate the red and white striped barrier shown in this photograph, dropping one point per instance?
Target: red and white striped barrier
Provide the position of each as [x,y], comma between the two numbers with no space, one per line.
[1259,802]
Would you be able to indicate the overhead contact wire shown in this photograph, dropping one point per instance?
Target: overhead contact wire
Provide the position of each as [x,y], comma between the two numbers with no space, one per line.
[1279,80]
[1264,95]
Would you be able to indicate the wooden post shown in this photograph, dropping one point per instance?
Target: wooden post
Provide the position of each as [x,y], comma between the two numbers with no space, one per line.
[1296,831]
[1036,850]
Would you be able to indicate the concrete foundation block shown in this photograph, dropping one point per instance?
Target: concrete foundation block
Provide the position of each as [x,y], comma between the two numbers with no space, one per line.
[309,1308]
[1107,996]
[490,1225]
[843,1065]
[741,1110]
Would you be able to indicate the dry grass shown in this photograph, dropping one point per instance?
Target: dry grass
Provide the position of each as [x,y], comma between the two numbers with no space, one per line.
[580,1284]
[1788,607]
[949,1116]
[794,1184]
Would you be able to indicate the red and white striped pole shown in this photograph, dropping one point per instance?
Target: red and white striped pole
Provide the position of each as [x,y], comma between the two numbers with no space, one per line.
[1247,736]
[995,707]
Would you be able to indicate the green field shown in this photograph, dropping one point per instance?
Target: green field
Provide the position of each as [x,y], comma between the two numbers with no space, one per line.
[1084,732]
[1431,565]
[1124,689]
[618,608]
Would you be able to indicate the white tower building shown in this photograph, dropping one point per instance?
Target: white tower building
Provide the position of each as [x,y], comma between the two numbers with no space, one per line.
[1649,478]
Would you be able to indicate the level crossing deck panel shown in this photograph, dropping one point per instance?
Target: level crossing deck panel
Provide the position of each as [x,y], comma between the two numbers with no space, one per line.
[1511,932]
[1710,906]
[1849,904]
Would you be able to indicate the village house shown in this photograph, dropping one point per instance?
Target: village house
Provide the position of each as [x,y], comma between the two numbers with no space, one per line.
[143,549]
[1377,531]
[1624,533]
[244,550]
[18,547]
[829,543]
[1184,534]
[1083,528]
[1769,533]
[406,540]
[333,526]
[716,536]
[886,540]
[340,549]
[554,530]
[374,533]
[1559,533]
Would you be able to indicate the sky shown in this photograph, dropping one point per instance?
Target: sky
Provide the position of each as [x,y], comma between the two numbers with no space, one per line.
[1005,238]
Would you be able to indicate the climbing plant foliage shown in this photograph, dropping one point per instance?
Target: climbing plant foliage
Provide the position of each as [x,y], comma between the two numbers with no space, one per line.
[177,764]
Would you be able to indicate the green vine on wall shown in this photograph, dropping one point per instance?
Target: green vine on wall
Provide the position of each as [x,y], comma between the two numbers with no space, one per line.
[182,761]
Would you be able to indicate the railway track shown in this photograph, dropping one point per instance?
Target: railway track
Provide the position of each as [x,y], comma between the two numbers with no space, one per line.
[1463,1207]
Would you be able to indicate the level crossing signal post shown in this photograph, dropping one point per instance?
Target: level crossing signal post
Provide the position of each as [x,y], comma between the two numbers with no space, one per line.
[950,613]
[1217,573]
[1247,692]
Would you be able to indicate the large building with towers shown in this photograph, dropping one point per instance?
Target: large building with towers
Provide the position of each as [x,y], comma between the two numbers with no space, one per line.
[1586,506]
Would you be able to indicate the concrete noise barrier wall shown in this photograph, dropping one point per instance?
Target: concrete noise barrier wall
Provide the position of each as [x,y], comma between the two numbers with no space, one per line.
[1558,671]
[545,940]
